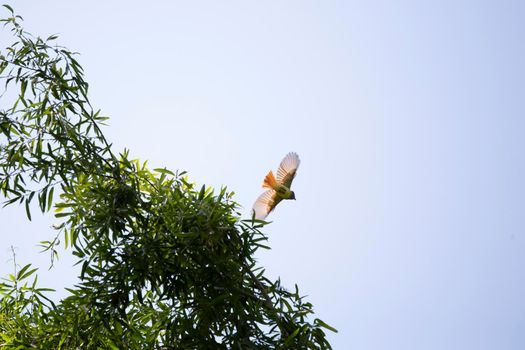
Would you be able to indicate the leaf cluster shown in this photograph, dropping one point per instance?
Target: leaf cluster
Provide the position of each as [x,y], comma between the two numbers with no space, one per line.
[50,133]
[165,264]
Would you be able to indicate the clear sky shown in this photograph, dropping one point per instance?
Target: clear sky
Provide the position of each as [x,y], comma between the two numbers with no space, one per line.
[408,229]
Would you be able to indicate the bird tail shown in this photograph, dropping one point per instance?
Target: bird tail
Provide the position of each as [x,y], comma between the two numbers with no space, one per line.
[269,181]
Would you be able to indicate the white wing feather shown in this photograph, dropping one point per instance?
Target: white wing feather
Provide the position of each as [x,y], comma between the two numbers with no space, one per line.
[289,164]
[262,205]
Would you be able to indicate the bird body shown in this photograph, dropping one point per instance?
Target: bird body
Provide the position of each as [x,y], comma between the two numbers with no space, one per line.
[281,190]
[278,187]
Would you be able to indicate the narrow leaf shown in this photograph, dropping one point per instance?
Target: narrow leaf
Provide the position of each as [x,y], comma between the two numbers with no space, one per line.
[9,8]
[164,171]
[324,325]
[28,211]
[50,198]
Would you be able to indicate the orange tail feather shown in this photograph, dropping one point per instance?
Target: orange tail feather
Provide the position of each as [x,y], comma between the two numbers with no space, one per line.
[269,181]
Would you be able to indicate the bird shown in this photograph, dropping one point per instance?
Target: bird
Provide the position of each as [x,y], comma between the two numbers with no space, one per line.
[278,188]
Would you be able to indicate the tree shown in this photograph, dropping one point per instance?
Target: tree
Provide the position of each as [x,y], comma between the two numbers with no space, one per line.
[164,263]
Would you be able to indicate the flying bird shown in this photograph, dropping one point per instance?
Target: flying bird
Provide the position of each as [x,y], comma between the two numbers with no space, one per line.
[278,188]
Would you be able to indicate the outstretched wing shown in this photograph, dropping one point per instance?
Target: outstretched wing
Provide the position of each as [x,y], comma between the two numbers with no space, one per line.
[287,169]
[265,204]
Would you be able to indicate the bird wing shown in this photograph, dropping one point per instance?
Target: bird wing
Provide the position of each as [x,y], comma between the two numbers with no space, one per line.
[287,169]
[265,204]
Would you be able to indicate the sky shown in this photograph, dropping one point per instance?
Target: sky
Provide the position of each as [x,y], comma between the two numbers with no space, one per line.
[408,116]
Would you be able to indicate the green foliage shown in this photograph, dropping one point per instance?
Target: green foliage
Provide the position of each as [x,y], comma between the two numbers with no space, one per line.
[50,134]
[164,263]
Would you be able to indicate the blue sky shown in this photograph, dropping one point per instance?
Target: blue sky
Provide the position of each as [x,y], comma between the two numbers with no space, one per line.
[408,229]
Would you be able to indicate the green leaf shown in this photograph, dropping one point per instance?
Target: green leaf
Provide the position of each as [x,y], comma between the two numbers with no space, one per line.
[291,337]
[9,8]
[66,238]
[23,86]
[164,171]
[262,246]
[11,201]
[42,198]
[324,325]
[85,265]
[28,211]
[50,198]
[27,274]
[31,195]
[24,272]
[61,206]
